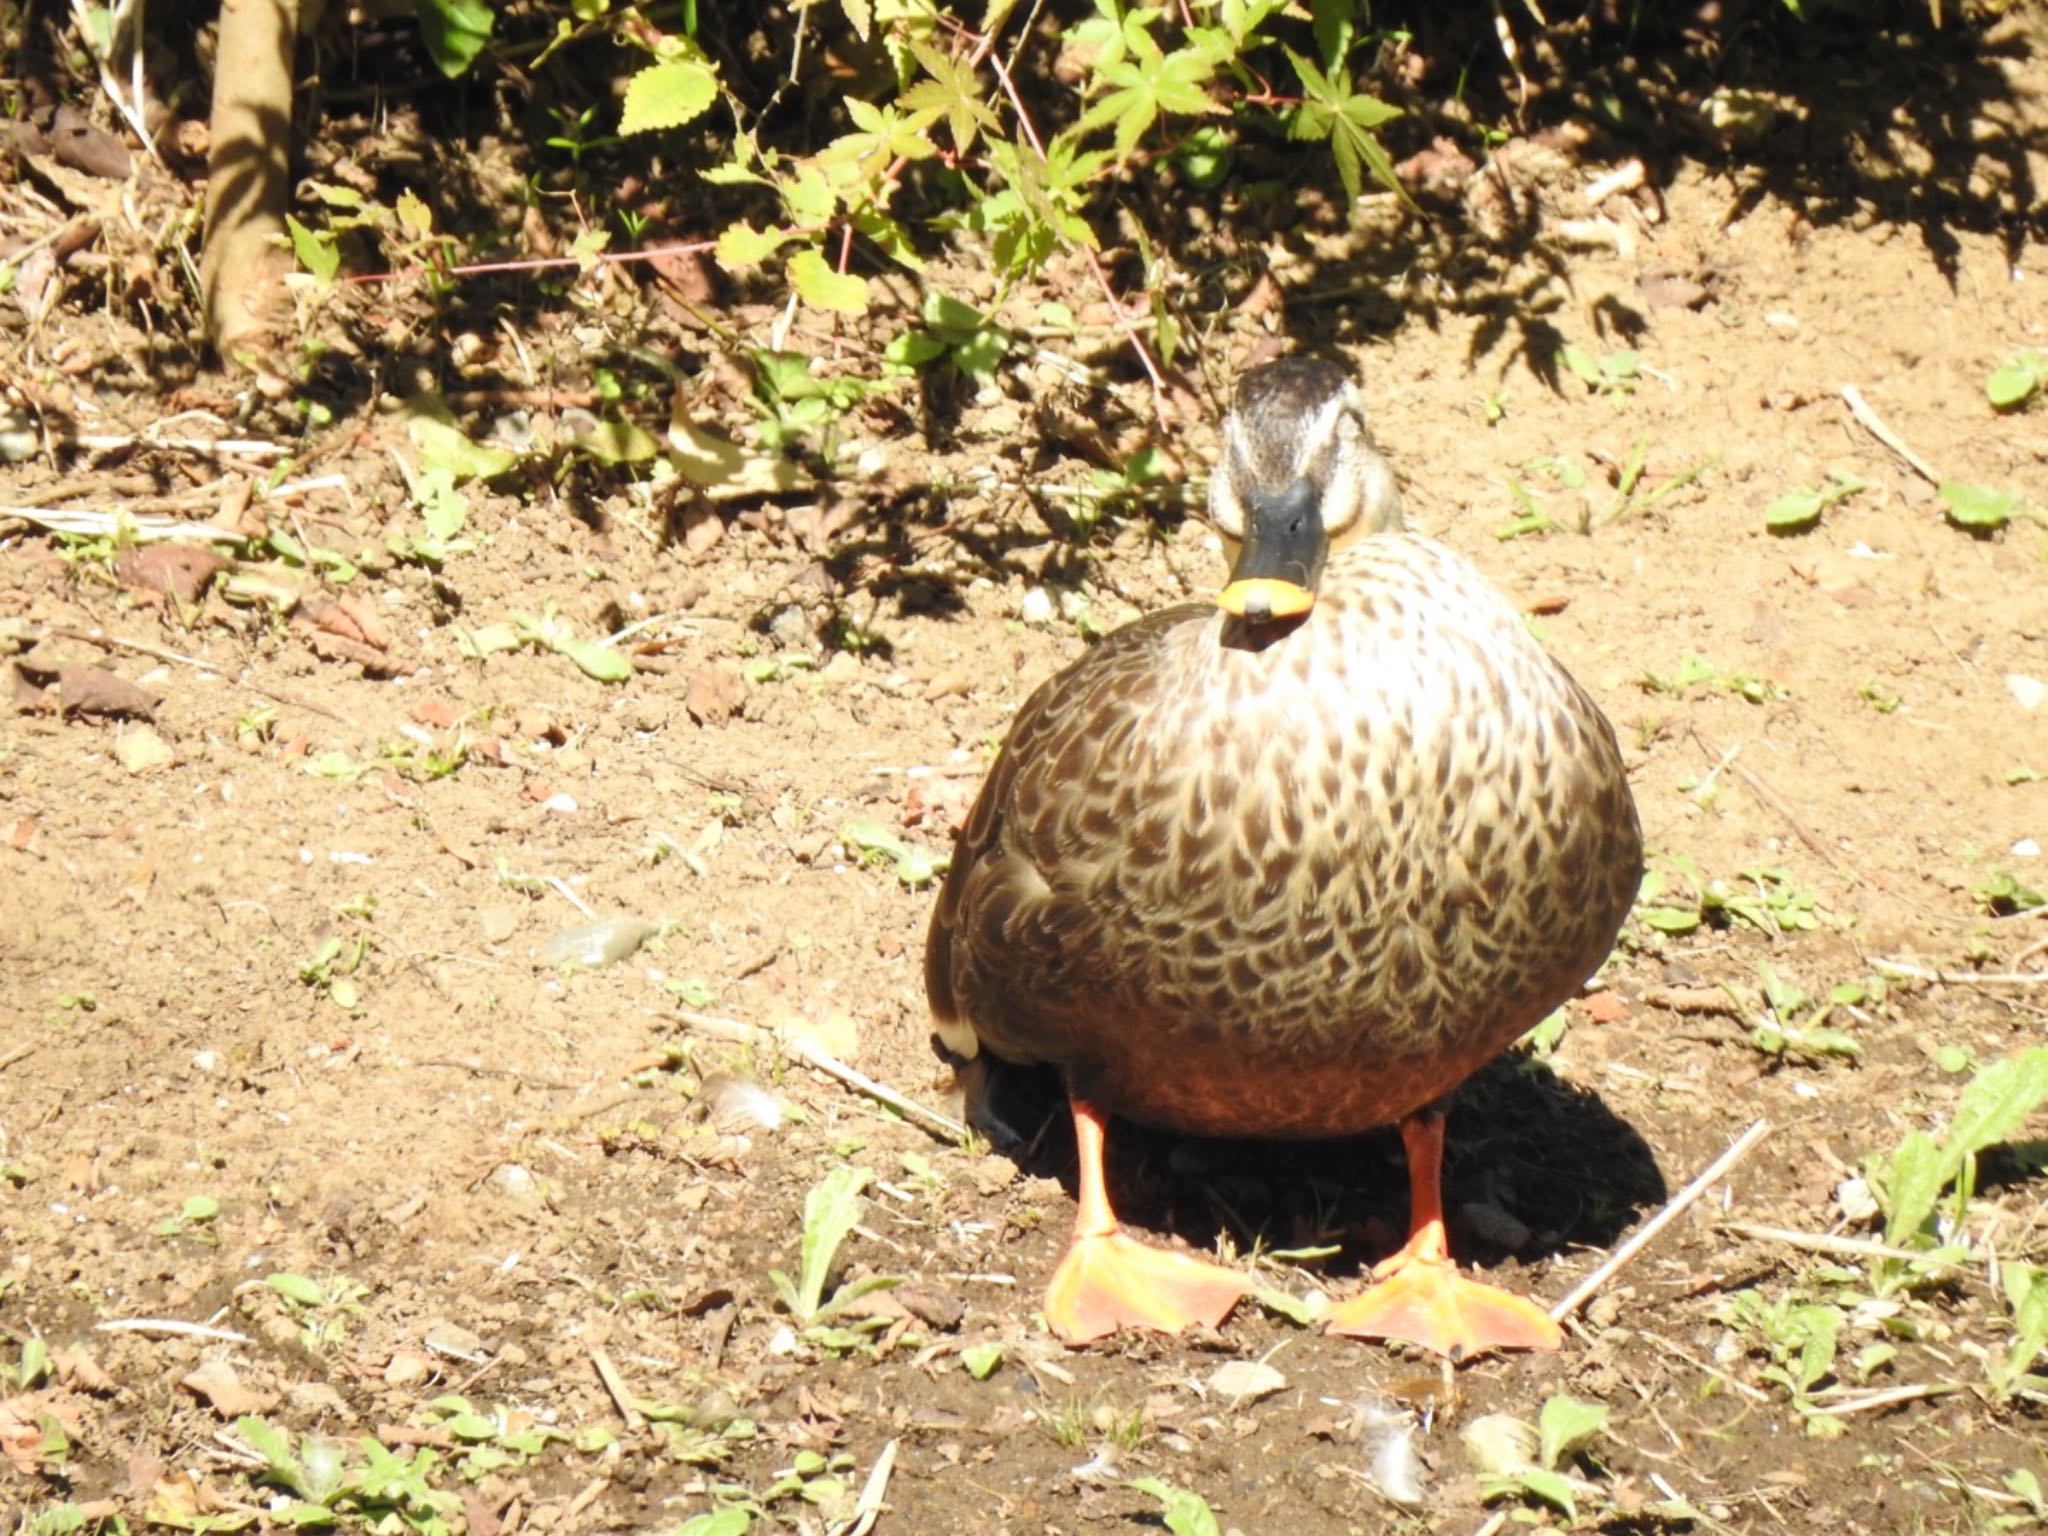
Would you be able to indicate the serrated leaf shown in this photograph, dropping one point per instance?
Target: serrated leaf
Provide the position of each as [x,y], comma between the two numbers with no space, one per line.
[1186,1513]
[819,286]
[952,91]
[668,95]
[741,245]
[318,253]
[1976,507]
[1146,84]
[860,15]
[1995,1105]
[831,1210]
[455,32]
[1912,1185]
[269,1442]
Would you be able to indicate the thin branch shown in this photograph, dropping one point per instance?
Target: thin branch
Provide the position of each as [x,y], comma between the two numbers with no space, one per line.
[1962,978]
[1875,426]
[1679,1204]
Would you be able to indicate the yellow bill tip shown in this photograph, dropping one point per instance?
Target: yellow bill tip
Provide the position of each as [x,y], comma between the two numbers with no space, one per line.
[1264,597]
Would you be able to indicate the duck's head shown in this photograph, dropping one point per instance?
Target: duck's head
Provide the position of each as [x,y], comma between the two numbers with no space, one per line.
[1298,475]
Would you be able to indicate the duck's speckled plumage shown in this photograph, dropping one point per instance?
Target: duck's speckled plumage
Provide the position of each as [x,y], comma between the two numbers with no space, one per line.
[1290,880]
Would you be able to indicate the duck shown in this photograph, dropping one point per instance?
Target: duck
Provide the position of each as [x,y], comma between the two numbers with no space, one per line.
[1292,863]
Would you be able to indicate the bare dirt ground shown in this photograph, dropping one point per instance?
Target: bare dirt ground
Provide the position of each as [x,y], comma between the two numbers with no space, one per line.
[278,998]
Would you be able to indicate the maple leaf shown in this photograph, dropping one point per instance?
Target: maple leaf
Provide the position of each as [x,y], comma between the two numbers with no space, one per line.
[950,90]
[1346,119]
[1147,83]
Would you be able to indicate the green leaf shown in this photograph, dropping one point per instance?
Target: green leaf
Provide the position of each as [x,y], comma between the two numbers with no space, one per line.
[1567,1426]
[736,1521]
[981,1360]
[820,287]
[1346,119]
[1553,1488]
[1669,919]
[297,1289]
[741,245]
[271,1443]
[1146,84]
[1995,1105]
[1977,508]
[1292,1308]
[668,95]
[2017,380]
[454,31]
[1912,1185]
[831,1210]
[1186,1513]
[601,662]
[444,445]
[317,252]
[1794,513]
[952,91]
[619,442]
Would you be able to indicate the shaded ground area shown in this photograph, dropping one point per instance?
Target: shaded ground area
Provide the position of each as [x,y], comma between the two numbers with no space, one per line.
[279,999]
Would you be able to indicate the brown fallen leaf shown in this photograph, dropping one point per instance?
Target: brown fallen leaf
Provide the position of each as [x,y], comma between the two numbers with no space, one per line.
[179,571]
[714,694]
[223,1391]
[80,690]
[354,618]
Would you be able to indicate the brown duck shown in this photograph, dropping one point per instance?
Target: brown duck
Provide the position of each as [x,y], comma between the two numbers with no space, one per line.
[1295,864]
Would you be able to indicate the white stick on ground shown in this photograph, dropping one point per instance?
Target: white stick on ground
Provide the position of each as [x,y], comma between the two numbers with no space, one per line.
[1678,1205]
[1874,425]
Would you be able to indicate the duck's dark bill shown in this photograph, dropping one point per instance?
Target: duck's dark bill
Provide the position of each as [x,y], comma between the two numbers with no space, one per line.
[1264,597]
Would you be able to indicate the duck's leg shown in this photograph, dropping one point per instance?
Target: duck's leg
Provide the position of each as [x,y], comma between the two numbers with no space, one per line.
[1108,1281]
[1420,1296]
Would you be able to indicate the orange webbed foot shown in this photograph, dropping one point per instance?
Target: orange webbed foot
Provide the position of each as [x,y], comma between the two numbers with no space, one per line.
[1426,1301]
[1109,1281]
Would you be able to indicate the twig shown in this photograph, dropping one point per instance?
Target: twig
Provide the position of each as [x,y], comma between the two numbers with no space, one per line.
[26,1048]
[868,1508]
[943,1126]
[1874,425]
[1962,978]
[1822,1242]
[144,648]
[562,890]
[1768,798]
[1870,1401]
[1677,1206]
[719,1028]
[86,523]
[616,1386]
[170,1326]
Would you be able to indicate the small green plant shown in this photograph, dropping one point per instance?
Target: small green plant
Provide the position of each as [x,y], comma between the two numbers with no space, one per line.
[322,1312]
[2004,895]
[1797,511]
[2025,1288]
[1794,1024]
[383,1489]
[1980,510]
[1614,375]
[333,966]
[981,1360]
[2017,380]
[194,1220]
[1798,1334]
[1566,1429]
[1764,898]
[831,1210]
[1879,698]
[1694,670]
[1183,1511]
[1908,1183]
[916,867]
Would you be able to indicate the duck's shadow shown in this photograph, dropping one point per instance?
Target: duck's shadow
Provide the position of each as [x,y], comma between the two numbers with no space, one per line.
[1533,1168]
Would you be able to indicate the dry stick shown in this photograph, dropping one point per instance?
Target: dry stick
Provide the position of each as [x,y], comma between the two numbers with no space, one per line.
[1888,1397]
[170,1326]
[941,1125]
[616,1386]
[1962,978]
[144,648]
[1678,1205]
[1822,1242]
[1768,798]
[1874,425]
[10,1057]
[931,1120]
